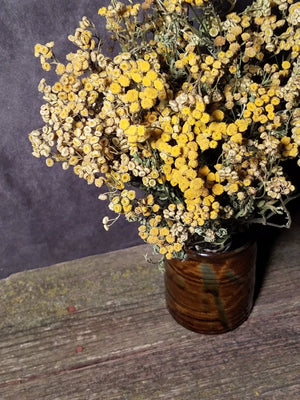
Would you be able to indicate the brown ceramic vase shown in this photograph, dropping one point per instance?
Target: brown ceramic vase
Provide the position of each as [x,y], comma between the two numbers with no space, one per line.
[212,293]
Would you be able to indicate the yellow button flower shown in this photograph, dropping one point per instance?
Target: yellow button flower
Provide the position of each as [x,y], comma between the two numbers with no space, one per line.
[115,88]
[217,189]
[286,65]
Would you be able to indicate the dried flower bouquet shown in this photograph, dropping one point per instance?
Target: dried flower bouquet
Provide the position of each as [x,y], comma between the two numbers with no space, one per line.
[198,111]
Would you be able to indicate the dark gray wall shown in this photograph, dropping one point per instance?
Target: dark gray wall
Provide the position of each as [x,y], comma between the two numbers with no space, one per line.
[47,215]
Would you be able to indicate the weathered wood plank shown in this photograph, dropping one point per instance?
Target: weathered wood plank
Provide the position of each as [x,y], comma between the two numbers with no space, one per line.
[179,364]
[120,343]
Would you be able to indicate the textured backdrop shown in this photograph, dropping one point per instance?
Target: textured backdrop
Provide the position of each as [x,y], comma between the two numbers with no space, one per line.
[46,215]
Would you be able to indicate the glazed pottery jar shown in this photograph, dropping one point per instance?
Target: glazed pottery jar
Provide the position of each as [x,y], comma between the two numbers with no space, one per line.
[212,292]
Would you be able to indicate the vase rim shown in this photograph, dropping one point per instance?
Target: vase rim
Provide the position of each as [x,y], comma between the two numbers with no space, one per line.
[216,254]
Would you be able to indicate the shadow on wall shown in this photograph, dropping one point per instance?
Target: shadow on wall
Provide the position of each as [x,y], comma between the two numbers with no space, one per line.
[268,239]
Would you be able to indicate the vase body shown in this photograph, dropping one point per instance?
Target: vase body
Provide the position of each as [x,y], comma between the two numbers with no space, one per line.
[212,293]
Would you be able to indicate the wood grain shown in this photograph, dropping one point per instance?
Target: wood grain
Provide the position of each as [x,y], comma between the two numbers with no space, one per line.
[118,342]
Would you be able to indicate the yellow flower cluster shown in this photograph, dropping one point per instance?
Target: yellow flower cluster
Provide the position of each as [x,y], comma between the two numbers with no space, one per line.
[44,52]
[295,123]
[189,125]
[136,86]
[83,37]
[122,204]
[170,238]
[196,3]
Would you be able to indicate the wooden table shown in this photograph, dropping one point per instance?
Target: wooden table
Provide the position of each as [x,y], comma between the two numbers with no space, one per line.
[97,328]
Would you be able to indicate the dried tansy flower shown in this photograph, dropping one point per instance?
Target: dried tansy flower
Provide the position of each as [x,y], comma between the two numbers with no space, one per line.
[189,126]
